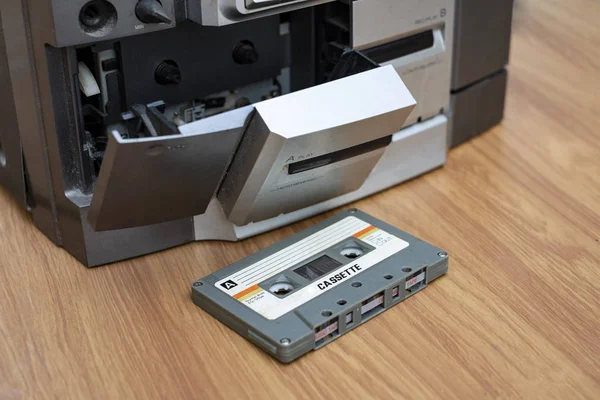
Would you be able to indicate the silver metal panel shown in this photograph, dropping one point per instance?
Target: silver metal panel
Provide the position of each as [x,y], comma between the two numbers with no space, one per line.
[413,151]
[307,124]
[225,12]
[427,76]
[426,73]
[110,246]
[151,180]
[375,22]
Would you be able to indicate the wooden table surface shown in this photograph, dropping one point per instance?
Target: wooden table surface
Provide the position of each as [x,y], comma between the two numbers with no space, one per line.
[518,315]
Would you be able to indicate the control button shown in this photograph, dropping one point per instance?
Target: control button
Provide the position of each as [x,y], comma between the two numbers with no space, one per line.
[151,12]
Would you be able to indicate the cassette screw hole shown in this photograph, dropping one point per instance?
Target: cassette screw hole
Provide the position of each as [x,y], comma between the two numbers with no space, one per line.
[388,276]
[356,284]
[281,288]
[352,252]
[326,313]
[342,302]
[285,341]
[442,254]
[406,269]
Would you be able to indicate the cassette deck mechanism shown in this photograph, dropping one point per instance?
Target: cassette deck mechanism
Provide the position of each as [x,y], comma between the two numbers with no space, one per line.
[302,293]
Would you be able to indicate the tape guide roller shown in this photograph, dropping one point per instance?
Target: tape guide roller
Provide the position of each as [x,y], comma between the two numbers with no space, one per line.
[306,291]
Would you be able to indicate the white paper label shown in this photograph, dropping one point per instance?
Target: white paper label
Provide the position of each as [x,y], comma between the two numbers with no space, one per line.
[243,285]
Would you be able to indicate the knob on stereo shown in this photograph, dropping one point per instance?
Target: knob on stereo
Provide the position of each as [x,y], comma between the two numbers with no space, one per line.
[151,12]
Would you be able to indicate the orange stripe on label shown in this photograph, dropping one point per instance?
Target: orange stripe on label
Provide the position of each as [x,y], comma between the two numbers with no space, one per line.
[251,294]
[246,291]
[364,232]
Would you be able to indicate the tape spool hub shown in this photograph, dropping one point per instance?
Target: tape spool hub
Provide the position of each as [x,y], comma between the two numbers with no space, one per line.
[352,252]
[281,288]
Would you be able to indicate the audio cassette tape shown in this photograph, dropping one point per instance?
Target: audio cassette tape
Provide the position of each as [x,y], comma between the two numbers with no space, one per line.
[304,292]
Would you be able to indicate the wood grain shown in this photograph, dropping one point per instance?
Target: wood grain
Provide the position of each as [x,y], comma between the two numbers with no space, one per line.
[518,316]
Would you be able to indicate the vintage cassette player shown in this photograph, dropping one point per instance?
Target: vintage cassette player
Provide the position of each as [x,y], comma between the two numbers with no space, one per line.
[131,126]
[300,294]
